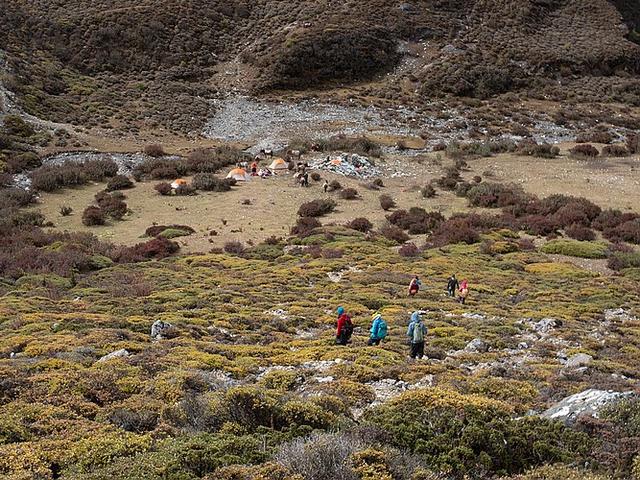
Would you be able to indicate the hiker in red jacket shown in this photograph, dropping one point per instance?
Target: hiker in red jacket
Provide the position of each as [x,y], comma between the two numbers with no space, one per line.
[345,327]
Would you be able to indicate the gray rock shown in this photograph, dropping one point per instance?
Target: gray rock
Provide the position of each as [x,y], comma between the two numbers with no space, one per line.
[122,353]
[477,345]
[579,360]
[588,402]
[161,330]
[546,325]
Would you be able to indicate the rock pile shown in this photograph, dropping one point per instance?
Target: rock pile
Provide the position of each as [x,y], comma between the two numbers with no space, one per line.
[348,165]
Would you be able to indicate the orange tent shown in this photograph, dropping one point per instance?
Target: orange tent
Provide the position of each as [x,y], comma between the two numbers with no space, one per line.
[336,161]
[177,182]
[239,174]
[278,164]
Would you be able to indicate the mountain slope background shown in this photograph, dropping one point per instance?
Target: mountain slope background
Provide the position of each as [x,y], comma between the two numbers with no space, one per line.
[111,63]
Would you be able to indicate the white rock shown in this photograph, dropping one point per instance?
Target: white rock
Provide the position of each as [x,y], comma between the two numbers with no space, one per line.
[161,330]
[579,360]
[477,345]
[122,353]
[588,402]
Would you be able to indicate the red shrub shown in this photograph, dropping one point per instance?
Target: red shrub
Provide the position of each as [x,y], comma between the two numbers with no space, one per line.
[492,195]
[348,194]
[386,202]
[633,143]
[609,219]
[316,208]
[93,216]
[156,248]
[416,220]
[394,233]
[615,150]
[304,226]
[15,197]
[111,205]
[580,232]
[537,225]
[234,247]
[119,182]
[627,232]
[163,188]
[409,250]
[154,150]
[360,224]
[428,191]
[332,253]
[584,150]
[454,230]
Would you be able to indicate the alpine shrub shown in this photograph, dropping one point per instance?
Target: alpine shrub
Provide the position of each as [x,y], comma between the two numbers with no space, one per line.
[92,216]
[316,208]
[584,151]
[360,224]
[163,188]
[348,194]
[394,233]
[304,226]
[119,182]
[386,202]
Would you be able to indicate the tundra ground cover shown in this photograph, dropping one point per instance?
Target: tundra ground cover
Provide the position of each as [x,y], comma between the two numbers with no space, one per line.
[252,366]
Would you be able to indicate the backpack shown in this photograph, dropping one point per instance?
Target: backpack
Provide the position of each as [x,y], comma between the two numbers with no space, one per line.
[418,333]
[348,326]
[382,329]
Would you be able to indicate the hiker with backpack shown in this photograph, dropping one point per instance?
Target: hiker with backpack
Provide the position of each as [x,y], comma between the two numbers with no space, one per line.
[464,291]
[416,333]
[452,286]
[345,327]
[378,330]
[414,286]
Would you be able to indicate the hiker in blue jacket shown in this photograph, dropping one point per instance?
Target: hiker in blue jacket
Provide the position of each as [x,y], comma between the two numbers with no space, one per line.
[416,333]
[378,329]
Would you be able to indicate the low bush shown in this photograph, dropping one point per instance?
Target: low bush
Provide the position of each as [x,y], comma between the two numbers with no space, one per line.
[534,149]
[615,150]
[394,233]
[156,230]
[65,211]
[628,231]
[156,248]
[100,169]
[234,247]
[621,260]
[416,220]
[154,150]
[111,205]
[610,219]
[334,185]
[304,226]
[386,202]
[348,194]
[315,176]
[93,216]
[441,434]
[210,183]
[584,151]
[22,162]
[540,225]
[596,136]
[580,232]
[454,230]
[576,248]
[6,180]
[185,190]
[409,250]
[378,182]
[163,188]
[428,191]
[360,224]
[496,195]
[317,208]
[15,197]
[119,182]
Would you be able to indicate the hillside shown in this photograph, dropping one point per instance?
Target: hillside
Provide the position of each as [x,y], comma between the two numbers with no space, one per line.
[155,64]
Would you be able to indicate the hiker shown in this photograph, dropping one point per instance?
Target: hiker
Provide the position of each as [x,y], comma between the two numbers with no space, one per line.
[325,186]
[416,332]
[464,291]
[345,327]
[254,169]
[305,179]
[452,285]
[378,330]
[414,286]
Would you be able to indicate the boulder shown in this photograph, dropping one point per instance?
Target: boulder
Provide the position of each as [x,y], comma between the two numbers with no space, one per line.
[161,330]
[122,353]
[579,360]
[588,402]
[477,345]
[546,325]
